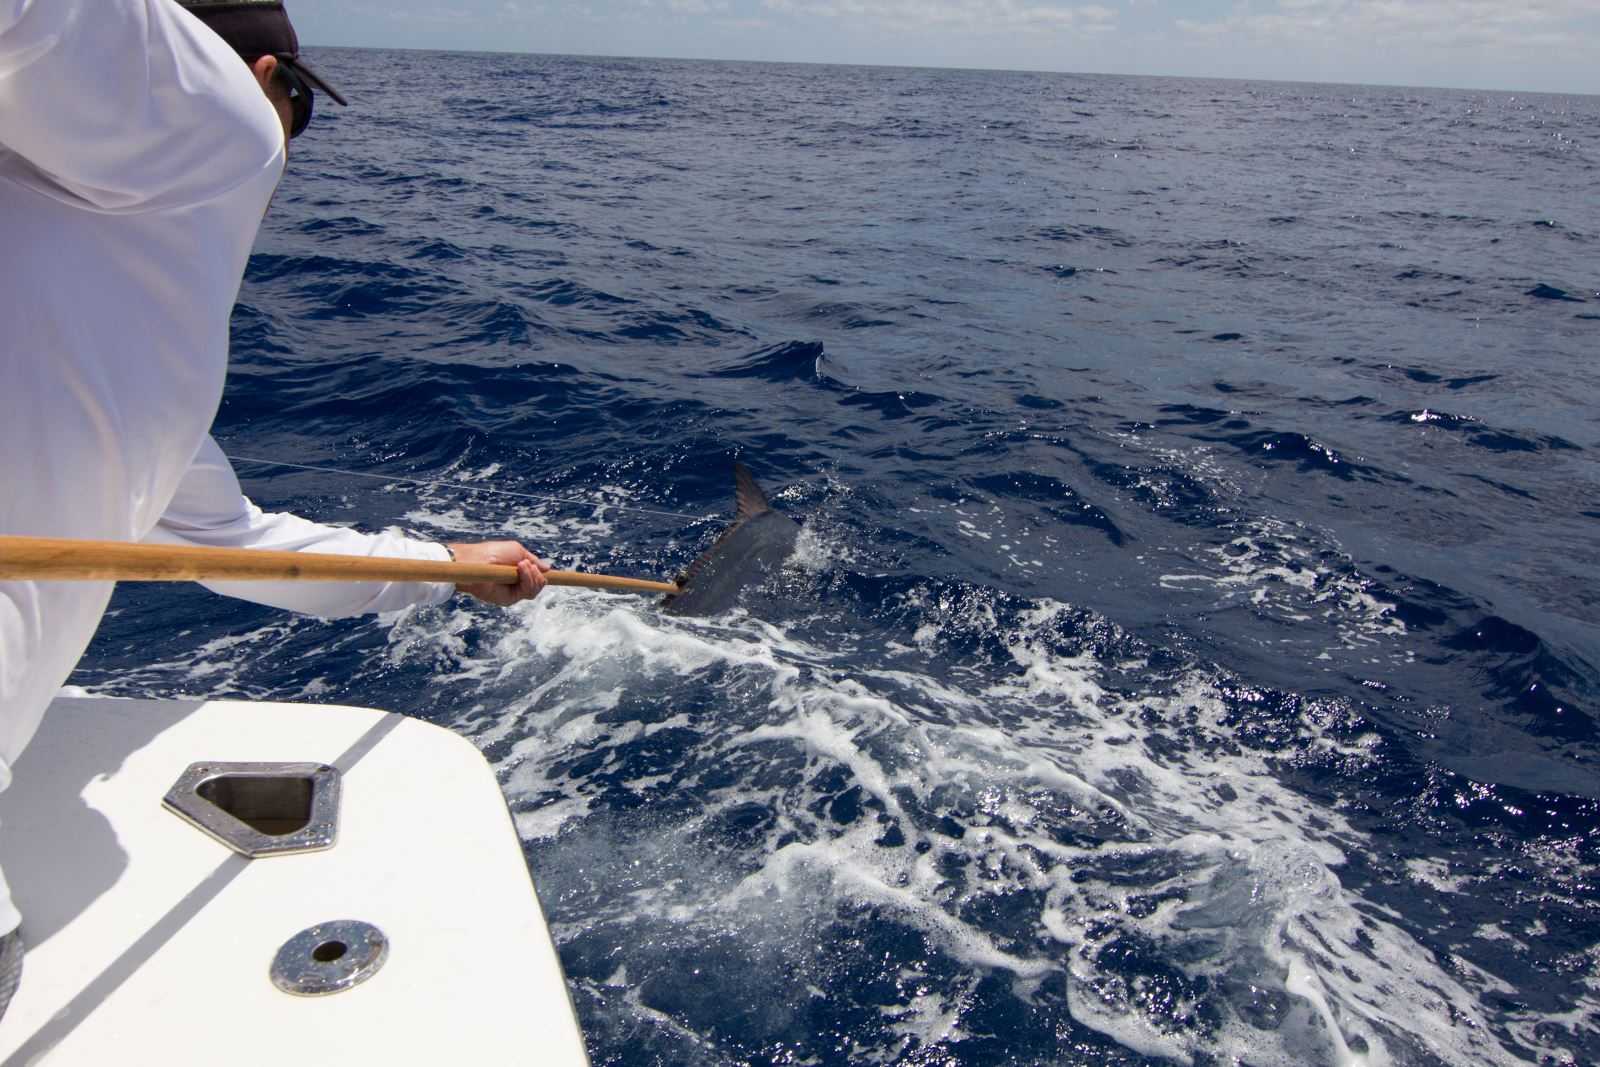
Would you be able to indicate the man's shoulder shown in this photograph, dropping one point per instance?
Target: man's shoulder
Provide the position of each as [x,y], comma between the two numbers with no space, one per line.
[172,120]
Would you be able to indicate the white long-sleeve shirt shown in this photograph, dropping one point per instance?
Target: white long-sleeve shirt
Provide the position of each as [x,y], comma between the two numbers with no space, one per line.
[209,509]
[137,157]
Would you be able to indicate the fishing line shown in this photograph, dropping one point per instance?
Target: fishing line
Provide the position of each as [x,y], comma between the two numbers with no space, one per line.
[469,488]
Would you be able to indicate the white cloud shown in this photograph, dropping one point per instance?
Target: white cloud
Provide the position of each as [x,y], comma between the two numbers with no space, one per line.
[695,7]
[1443,23]
[986,17]
[742,25]
[428,16]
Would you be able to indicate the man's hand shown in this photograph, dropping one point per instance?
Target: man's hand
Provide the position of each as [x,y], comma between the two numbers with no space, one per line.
[530,571]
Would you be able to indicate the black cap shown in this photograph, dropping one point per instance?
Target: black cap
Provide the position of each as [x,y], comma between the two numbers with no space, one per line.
[256,28]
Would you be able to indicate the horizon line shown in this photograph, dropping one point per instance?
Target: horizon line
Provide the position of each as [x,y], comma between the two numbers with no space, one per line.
[973,70]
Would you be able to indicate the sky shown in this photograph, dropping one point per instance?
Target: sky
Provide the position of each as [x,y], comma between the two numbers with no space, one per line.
[1519,45]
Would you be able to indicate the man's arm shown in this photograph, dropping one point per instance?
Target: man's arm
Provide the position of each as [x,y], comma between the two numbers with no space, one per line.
[210,509]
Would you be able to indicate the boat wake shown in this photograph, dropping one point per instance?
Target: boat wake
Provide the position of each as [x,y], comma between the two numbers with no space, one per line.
[1011,824]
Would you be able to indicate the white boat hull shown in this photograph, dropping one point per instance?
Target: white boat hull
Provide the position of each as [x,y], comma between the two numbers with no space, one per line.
[151,942]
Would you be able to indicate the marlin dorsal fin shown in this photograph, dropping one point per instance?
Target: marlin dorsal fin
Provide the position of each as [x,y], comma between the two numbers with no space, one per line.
[755,544]
[747,494]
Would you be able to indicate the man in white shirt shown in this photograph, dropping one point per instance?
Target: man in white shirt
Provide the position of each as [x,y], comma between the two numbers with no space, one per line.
[138,155]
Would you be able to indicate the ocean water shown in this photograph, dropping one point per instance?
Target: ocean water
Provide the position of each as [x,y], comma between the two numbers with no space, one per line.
[1190,655]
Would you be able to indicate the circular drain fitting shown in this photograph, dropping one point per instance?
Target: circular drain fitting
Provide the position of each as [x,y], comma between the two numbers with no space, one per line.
[329,958]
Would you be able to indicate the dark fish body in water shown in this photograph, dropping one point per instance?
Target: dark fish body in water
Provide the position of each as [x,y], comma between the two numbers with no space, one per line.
[754,547]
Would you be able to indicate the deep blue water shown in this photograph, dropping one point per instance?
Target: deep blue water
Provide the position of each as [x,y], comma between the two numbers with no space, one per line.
[1191,654]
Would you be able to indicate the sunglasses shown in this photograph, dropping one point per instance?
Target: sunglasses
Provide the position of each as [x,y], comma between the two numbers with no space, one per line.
[299,95]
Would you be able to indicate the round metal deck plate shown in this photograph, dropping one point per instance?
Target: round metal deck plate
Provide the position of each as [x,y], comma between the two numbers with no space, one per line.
[329,958]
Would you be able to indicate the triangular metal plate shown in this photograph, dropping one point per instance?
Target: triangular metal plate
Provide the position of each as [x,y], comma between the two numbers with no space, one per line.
[301,798]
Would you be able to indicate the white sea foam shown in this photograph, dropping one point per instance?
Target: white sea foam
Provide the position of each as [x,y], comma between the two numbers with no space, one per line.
[1286,573]
[1127,820]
